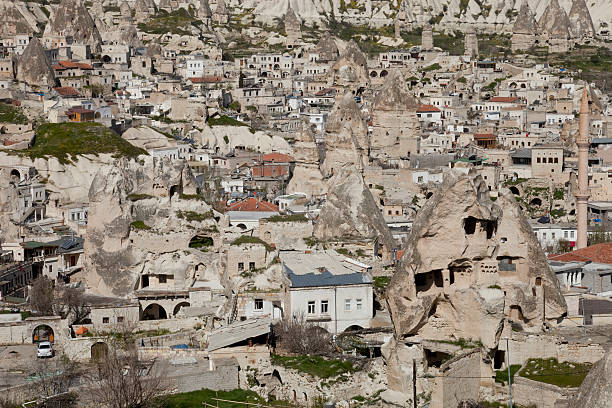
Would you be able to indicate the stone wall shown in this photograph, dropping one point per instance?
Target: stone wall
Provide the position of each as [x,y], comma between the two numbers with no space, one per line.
[285,235]
[534,346]
[222,378]
[459,381]
[526,392]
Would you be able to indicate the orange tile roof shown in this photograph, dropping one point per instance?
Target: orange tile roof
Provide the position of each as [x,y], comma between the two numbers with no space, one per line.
[61,65]
[252,204]
[277,158]
[484,136]
[66,91]
[507,99]
[427,108]
[601,253]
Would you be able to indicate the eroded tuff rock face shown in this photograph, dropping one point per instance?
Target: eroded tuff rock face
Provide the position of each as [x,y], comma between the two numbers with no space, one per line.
[462,248]
[307,177]
[394,120]
[554,23]
[351,68]
[327,48]
[350,211]
[147,190]
[13,22]
[71,18]
[581,21]
[346,136]
[33,66]
[596,389]
[525,29]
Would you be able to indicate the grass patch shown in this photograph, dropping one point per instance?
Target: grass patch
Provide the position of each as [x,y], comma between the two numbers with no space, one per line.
[247,239]
[381,282]
[515,182]
[501,376]
[12,114]
[288,218]
[65,141]
[140,225]
[194,216]
[316,366]
[558,194]
[227,121]
[195,399]
[201,242]
[551,371]
[432,67]
[310,241]
[557,212]
[177,22]
[191,197]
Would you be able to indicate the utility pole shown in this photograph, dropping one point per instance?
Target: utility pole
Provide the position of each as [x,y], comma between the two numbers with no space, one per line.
[414,393]
[508,364]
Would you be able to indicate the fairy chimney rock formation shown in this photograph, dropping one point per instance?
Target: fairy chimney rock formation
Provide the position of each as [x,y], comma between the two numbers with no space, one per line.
[13,22]
[221,15]
[471,43]
[293,27]
[554,27]
[205,13]
[581,23]
[33,66]
[71,18]
[395,125]
[307,177]
[350,70]
[327,49]
[525,29]
[468,265]
[350,212]
[346,136]
[427,42]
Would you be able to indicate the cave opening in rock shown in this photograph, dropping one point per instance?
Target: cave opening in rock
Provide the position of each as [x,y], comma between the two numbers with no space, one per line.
[499,359]
[436,358]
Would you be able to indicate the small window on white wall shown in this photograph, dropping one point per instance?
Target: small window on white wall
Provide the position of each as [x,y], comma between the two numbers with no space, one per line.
[347,304]
[324,307]
[358,304]
[258,304]
[311,307]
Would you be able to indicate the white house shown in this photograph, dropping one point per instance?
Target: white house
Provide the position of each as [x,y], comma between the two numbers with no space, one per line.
[333,292]
[549,235]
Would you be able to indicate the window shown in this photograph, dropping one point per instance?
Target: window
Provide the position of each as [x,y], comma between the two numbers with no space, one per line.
[251,266]
[119,319]
[347,305]
[105,320]
[565,234]
[311,307]
[258,304]
[162,279]
[538,160]
[324,306]
[553,235]
[240,266]
[544,235]
[358,304]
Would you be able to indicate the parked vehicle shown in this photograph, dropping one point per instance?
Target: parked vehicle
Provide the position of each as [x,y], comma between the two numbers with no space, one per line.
[45,349]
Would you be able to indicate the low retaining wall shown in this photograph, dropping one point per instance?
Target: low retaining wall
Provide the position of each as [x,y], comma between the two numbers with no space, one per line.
[527,392]
[529,346]
[168,353]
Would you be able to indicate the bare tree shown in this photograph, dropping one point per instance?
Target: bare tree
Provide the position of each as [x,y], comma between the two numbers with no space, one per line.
[42,295]
[55,377]
[70,301]
[296,335]
[122,380]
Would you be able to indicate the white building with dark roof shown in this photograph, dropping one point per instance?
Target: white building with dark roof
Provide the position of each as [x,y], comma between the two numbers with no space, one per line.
[333,292]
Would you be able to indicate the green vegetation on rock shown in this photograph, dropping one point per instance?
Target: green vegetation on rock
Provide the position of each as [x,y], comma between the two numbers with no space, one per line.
[195,399]
[65,141]
[140,225]
[194,216]
[247,239]
[288,218]
[316,366]
[551,371]
[177,22]
[12,114]
[227,121]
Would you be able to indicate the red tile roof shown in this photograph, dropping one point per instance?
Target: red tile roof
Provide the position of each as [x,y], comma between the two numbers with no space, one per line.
[276,158]
[79,110]
[206,80]
[61,65]
[427,108]
[66,91]
[252,204]
[601,253]
[507,99]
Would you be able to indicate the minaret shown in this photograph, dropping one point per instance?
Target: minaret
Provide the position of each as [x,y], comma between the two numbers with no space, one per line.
[582,195]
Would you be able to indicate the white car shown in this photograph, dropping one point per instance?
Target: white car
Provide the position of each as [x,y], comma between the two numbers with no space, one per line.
[45,349]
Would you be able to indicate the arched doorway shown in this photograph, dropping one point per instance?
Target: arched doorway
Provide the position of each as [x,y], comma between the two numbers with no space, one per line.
[99,351]
[43,333]
[536,201]
[178,307]
[154,312]
[353,328]
[15,175]
[242,226]
[515,191]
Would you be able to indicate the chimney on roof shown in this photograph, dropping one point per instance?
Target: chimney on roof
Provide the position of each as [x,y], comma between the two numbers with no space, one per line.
[321,269]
